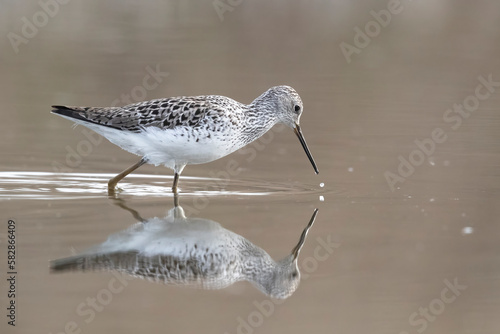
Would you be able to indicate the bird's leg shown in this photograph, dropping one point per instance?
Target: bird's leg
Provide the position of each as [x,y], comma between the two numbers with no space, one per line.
[112,182]
[177,172]
[176,181]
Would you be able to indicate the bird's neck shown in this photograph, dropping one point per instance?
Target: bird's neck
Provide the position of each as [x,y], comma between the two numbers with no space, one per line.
[260,117]
[260,271]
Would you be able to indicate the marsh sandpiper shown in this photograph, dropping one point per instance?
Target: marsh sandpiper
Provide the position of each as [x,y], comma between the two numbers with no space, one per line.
[179,131]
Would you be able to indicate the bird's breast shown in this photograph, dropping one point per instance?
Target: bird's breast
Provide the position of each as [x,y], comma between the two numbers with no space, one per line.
[186,145]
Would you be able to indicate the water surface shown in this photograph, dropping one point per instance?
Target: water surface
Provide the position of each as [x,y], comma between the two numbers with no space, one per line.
[378,256]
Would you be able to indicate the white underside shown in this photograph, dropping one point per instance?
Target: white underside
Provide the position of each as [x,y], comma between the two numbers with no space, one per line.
[167,147]
[166,236]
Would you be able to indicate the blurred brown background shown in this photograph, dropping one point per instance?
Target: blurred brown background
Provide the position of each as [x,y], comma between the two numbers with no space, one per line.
[400,246]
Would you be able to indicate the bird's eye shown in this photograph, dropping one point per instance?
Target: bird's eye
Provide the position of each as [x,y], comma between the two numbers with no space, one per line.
[297,108]
[294,274]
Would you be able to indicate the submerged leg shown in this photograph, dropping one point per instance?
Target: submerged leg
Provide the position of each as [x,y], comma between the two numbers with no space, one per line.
[112,183]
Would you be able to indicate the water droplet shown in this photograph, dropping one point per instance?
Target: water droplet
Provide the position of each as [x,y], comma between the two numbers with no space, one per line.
[467,230]
[321,184]
[321,198]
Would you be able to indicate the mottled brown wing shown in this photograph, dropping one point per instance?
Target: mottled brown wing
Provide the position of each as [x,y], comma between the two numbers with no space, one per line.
[162,113]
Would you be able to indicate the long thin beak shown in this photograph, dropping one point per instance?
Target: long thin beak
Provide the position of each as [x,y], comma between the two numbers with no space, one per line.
[296,249]
[297,131]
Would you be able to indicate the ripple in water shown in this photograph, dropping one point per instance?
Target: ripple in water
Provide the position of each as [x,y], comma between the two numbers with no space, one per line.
[49,186]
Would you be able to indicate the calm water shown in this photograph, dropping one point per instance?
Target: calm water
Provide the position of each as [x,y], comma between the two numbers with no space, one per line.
[406,238]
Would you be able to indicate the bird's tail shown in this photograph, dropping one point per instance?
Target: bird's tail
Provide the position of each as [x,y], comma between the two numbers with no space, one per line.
[71,112]
[92,262]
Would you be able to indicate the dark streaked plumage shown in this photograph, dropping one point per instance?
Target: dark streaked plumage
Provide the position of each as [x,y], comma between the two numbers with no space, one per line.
[165,114]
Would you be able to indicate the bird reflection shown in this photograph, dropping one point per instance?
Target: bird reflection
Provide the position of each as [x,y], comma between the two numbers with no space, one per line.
[195,252]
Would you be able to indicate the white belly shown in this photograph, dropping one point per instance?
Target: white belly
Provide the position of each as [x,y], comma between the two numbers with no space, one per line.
[175,147]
